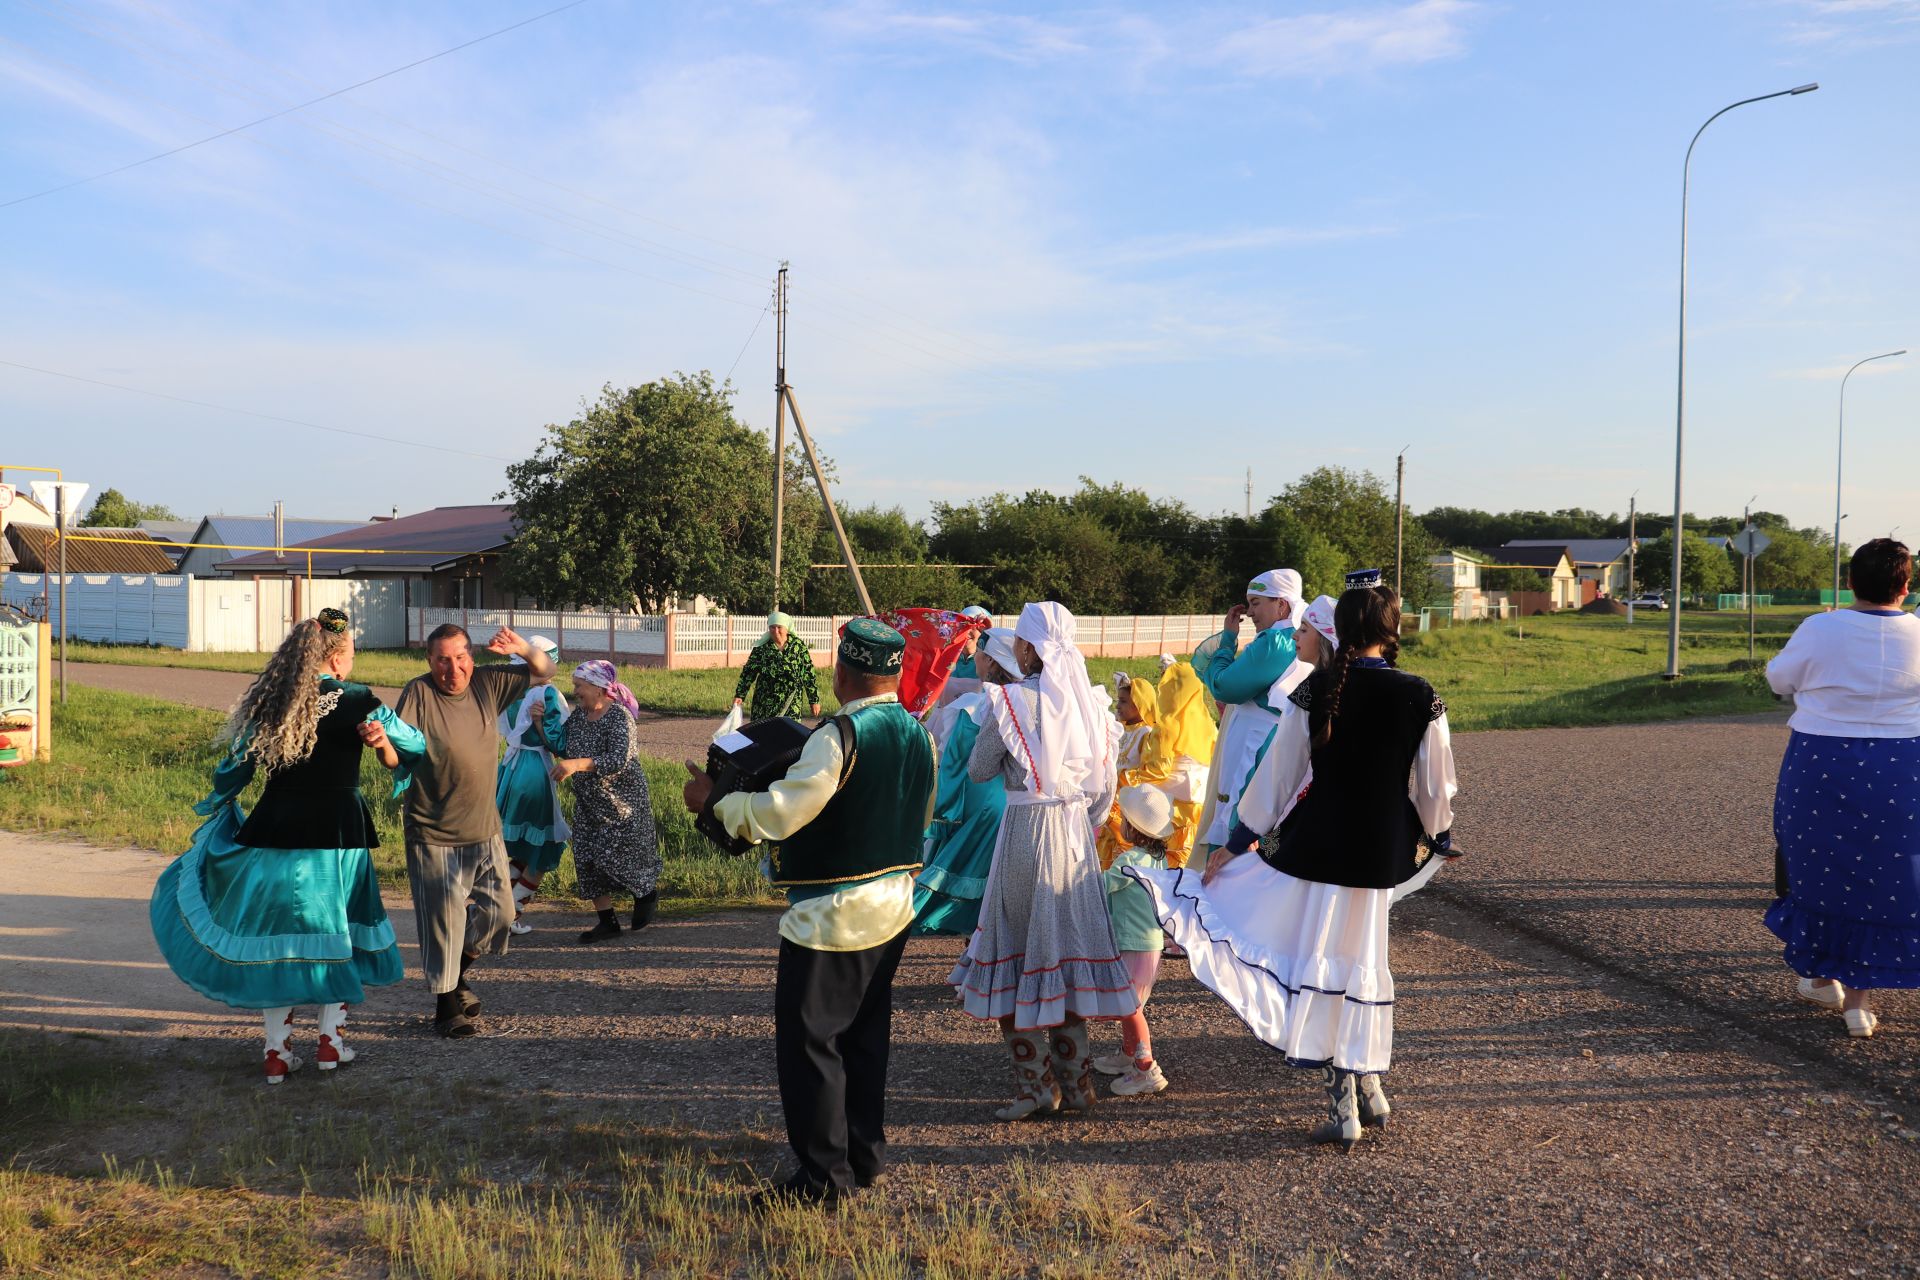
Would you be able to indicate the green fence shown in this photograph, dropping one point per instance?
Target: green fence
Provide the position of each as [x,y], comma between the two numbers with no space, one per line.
[1734,600]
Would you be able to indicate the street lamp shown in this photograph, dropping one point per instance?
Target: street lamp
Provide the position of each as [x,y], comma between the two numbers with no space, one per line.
[1839,457]
[1680,395]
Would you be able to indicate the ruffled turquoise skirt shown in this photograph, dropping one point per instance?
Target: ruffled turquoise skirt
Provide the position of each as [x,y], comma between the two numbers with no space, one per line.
[262,928]
[524,797]
[948,890]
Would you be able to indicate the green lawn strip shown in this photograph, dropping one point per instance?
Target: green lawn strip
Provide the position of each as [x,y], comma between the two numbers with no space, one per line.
[189,1166]
[127,770]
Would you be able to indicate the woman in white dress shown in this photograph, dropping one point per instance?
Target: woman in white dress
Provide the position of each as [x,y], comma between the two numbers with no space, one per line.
[1043,959]
[1295,939]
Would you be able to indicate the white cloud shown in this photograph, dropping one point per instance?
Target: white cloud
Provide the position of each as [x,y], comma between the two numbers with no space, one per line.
[1320,46]
[1854,23]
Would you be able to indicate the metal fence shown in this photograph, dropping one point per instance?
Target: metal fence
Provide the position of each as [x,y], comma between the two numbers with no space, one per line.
[630,636]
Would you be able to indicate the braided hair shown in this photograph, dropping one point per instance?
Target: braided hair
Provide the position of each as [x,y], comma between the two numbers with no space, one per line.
[1363,618]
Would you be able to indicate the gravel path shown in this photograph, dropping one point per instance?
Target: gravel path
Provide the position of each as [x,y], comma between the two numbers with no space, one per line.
[673,737]
[1598,1069]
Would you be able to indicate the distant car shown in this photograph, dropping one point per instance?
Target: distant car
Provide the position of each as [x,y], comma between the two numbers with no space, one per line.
[1648,600]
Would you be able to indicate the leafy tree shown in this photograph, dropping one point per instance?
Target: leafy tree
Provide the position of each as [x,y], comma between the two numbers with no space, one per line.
[1796,560]
[653,494]
[112,509]
[1705,569]
[882,538]
[1354,512]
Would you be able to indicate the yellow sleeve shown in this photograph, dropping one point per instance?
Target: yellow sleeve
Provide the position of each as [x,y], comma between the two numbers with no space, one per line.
[792,802]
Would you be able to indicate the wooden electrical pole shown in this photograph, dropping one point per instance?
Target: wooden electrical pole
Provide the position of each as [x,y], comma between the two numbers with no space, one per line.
[779,423]
[1399,516]
[1633,549]
[826,496]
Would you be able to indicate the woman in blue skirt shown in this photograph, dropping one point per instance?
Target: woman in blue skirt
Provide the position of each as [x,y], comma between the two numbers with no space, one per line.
[966,814]
[535,829]
[1845,812]
[281,907]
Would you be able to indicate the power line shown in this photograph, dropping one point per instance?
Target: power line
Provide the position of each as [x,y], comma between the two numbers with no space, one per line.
[749,342]
[300,106]
[252,413]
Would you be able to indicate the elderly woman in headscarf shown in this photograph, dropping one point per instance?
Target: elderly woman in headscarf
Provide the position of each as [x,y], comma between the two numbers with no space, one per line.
[780,672]
[1252,683]
[614,846]
[1043,959]
[966,814]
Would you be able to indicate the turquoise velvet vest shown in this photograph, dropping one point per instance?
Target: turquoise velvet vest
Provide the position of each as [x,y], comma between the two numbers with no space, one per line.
[877,819]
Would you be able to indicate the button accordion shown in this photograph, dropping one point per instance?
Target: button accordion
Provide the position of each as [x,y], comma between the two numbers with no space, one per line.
[752,758]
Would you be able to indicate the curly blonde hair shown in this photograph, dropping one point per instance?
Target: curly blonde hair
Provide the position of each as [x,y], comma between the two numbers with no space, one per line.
[278,717]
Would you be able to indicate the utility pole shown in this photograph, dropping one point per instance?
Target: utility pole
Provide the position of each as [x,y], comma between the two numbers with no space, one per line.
[1399,516]
[1747,574]
[1633,550]
[779,422]
[1249,493]
[60,531]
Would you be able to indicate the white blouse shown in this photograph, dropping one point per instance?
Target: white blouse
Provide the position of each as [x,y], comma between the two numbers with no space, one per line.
[1287,768]
[1852,675]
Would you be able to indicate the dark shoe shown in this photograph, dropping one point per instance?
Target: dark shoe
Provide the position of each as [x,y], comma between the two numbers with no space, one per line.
[1343,1110]
[458,1027]
[469,1002]
[798,1190]
[866,1180]
[644,909]
[602,931]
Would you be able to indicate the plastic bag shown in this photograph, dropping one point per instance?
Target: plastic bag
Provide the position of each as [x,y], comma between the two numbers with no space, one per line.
[735,718]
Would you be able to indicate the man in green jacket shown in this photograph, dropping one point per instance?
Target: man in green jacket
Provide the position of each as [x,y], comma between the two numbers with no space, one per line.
[844,828]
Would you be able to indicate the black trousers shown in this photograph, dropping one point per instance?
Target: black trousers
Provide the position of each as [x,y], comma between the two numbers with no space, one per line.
[832,1023]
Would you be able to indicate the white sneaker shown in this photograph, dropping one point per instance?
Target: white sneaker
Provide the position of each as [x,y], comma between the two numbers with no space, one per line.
[1830,996]
[1113,1064]
[1136,1081]
[519,928]
[1861,1023]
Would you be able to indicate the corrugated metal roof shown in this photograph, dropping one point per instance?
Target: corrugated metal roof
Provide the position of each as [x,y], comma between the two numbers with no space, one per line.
[425,541]
[257,531]
[6,553]
[1582,550]
[38,552]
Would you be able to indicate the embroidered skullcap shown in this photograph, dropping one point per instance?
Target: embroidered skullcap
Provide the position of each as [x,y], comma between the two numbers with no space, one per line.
[975,611]
[333,620]
[871,646]
[1148,810]
[1363,579]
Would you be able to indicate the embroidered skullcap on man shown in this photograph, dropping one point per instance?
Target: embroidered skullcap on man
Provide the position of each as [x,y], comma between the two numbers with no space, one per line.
[871,646]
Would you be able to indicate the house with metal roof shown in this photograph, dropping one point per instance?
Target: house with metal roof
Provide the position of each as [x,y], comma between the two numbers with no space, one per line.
[448,557]
[37,550]
[205,547]
[1601,561]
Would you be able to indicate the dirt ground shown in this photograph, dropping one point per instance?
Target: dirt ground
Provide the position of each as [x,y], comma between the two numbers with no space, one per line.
[1598,1069]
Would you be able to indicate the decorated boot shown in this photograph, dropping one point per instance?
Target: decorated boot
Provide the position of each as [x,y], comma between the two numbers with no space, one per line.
[1343,1110]
[522,894]
[278,1024]
[333,1050]
[1375,1111]
[1073,1066]
[1036,1092]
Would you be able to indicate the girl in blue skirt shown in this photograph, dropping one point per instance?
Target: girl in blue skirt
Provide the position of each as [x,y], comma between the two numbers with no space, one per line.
[536,831]
[281,907]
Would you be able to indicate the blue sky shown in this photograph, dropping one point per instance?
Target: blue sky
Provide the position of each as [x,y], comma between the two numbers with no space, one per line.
[1147,244]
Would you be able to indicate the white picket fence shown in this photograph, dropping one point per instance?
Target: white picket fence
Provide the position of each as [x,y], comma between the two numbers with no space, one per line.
[723,640]
[212,615]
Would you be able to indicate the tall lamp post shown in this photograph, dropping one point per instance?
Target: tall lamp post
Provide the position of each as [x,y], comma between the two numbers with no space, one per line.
[1839,459]
[1680,396]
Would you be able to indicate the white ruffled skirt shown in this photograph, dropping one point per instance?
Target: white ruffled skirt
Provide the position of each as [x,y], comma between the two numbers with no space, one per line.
[1303,964]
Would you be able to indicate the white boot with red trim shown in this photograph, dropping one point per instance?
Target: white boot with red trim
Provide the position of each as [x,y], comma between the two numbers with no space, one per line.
[333,1050]
[278,1024]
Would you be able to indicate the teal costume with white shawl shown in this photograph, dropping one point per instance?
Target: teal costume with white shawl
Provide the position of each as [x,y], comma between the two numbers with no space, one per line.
[283,907]
[535,830]
[1248,681]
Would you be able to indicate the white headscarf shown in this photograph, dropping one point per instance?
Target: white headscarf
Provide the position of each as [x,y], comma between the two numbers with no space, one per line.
[1319,616]
[1075,750]
[1281,584]
[997,644]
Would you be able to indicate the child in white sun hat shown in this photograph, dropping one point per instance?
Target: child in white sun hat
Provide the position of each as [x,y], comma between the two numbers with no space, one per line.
[1147,817]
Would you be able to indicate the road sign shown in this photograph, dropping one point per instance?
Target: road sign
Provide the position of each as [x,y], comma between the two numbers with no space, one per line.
[44,492]
[1751,542]
[6,496]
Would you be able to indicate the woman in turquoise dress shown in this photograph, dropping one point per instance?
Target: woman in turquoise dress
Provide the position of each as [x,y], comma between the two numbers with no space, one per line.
[281,907]
[966,814]
[535,829]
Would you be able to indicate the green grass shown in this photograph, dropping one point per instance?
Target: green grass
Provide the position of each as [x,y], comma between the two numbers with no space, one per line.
[1579,669]
[187,1167]
[127,770]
